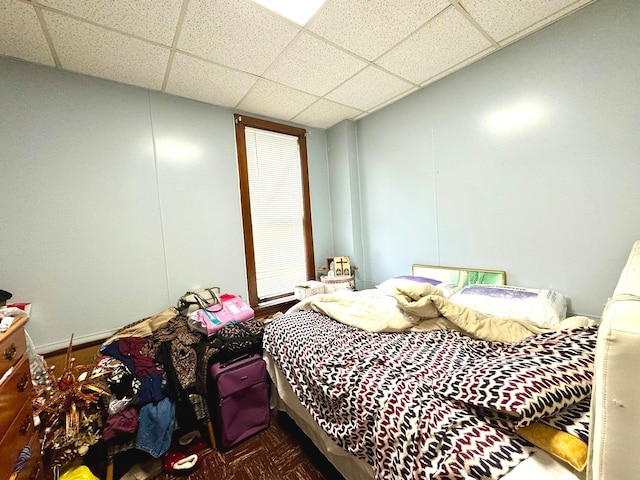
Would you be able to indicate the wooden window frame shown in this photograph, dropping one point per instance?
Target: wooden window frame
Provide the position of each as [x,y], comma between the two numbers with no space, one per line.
[281,302]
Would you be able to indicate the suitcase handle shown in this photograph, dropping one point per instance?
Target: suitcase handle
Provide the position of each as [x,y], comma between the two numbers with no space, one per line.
[234,360]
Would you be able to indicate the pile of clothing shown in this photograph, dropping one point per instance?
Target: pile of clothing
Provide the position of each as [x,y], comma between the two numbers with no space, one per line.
[157,374]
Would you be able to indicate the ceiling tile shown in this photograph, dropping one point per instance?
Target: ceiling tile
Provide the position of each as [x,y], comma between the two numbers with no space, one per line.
[357,92]
[546,21]
[313,66]
[236,33]
[325,114]
[22,35]
[391,100]
[503,18]
[361,55]
[85,48]
[459,66]
[148,19]
[276,100]
[443,43]
[371,27]
[197,79]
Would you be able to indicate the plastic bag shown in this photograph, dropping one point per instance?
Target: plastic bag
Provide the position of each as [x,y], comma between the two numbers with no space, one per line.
[78,473]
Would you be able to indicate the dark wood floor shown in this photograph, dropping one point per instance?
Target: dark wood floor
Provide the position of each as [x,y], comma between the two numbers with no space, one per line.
[282,452]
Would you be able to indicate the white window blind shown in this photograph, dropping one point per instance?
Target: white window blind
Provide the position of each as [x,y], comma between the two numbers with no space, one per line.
[275,188]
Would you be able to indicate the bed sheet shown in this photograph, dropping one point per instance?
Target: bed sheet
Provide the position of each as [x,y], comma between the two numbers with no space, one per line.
[539,465]
[421,424]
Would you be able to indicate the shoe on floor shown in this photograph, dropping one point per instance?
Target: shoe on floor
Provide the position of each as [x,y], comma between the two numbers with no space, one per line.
[179,463]
[188,438]
[197,446]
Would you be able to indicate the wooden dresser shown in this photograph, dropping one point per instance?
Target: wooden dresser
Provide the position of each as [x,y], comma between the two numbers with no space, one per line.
[17,429]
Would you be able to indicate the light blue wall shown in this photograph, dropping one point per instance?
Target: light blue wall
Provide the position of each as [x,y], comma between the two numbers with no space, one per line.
[555,203]
[345,195]
[104,223]
[116,200]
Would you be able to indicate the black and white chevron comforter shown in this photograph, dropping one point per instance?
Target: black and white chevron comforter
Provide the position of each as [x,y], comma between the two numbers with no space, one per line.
[435,405]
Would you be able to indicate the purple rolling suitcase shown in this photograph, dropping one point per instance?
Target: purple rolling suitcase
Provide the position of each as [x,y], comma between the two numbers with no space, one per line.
[240,401]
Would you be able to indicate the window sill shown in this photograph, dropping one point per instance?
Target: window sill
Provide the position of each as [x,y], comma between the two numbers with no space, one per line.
[269,308]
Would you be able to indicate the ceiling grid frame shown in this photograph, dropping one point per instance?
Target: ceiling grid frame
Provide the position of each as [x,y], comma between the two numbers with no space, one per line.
[347,89]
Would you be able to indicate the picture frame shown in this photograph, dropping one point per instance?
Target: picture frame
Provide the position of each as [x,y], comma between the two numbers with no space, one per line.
[340,266]
[460,276]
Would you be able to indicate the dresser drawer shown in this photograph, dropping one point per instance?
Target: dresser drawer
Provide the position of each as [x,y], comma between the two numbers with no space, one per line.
[15,392]
[13,344]
[34,469]
[20,434]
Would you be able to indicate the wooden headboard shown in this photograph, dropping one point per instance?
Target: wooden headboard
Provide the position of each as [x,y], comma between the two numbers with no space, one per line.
[460,276]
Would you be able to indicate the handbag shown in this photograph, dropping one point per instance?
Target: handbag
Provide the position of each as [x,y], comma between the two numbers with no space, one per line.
[211,319]
[198,299]
[237,339]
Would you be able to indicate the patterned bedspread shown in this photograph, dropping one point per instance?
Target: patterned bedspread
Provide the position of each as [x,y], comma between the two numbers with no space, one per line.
[432,405]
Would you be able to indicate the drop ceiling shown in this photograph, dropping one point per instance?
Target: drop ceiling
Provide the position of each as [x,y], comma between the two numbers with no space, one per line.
[353,57]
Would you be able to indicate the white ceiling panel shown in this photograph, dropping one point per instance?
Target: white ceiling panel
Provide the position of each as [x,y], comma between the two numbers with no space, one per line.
[325,114]
[352,58]
[441,44]
[371,27]
[85,48]
[357,92]
[544,22]
[313,66]
[150,19]
[200,80]
[274,99]
[23,37]
[460,65]
[503,18]
[237,33]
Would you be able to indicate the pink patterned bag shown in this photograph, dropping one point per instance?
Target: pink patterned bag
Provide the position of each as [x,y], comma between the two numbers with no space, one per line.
[211,319]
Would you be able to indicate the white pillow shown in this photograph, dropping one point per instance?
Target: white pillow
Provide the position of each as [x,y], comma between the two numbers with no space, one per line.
[390,286]
[545,308]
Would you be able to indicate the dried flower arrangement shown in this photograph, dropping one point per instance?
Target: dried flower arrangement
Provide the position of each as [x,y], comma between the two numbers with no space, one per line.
[71,409]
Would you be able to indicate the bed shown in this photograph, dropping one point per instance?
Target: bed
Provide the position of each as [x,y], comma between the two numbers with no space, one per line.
[387,399]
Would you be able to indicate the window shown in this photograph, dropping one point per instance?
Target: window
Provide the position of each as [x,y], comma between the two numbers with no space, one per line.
[276,209]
